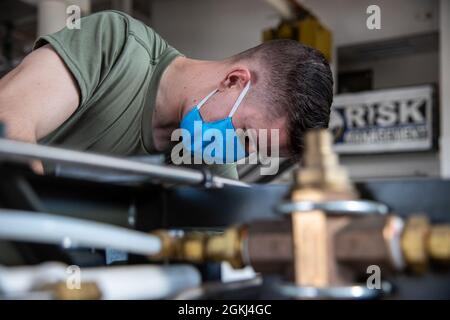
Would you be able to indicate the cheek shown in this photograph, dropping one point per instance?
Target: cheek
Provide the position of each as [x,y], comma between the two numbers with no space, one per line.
[271,141]
[279,139]
[273,131]
[281,145]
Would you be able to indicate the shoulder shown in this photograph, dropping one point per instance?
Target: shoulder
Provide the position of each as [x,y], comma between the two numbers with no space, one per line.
[146,36]
[107,19]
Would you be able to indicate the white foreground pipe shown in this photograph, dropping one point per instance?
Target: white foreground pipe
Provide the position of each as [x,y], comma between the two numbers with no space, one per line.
[20,280]
[125,282]
[71,232]
[143,281]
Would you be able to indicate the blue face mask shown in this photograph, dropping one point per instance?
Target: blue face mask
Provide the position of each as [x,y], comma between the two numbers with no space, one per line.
[214,142]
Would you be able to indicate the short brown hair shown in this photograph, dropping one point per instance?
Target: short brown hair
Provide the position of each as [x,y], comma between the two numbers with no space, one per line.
[299,84]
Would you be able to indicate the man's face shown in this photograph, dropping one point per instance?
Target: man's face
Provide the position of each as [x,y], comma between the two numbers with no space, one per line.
[270,132]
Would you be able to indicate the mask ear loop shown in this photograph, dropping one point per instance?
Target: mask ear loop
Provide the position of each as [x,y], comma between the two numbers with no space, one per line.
[239,100]
[201,103]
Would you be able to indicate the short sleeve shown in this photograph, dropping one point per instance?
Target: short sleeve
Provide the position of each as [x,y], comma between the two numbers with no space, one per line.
[91,51]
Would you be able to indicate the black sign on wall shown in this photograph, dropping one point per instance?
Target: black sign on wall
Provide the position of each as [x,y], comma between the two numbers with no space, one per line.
[393,120]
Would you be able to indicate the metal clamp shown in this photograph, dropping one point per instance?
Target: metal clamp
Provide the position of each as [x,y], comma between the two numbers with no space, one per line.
[208,178]
[359,292]
[335,207]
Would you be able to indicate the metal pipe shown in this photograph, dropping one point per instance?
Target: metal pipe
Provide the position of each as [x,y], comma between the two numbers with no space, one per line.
[18,150]
[69,232]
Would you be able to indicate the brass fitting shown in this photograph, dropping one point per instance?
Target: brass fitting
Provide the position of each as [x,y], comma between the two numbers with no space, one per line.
[438,245]
[321,178]
[87,291]
[369,240]
[422,242]
[386,242]
[199,247]
[414,243]
[321,169]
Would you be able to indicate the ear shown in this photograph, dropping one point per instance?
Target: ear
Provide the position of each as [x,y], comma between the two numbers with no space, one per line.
[236,78]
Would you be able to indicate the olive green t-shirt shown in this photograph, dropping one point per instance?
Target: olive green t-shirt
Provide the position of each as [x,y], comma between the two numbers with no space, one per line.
[117,62]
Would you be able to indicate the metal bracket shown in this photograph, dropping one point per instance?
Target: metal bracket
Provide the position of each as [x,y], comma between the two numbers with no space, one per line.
[208,178]
[360,292]
[335,207]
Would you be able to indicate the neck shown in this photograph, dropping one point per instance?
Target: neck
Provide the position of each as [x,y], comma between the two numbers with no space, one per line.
[183,84]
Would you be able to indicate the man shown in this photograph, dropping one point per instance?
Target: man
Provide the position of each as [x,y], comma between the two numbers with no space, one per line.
[116,87]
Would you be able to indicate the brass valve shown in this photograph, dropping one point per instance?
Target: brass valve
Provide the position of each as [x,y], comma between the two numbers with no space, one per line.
[321,240]
[321,169]
[413,243]
[422,242]
[438,245]
[199,247]
[320,179]
[87,291]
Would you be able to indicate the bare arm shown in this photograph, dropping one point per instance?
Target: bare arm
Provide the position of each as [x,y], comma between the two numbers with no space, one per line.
[37,96]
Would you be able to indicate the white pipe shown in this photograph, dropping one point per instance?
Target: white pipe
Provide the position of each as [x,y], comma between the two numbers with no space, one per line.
[125,282]
[23,279]
[68,232]
[142,281]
